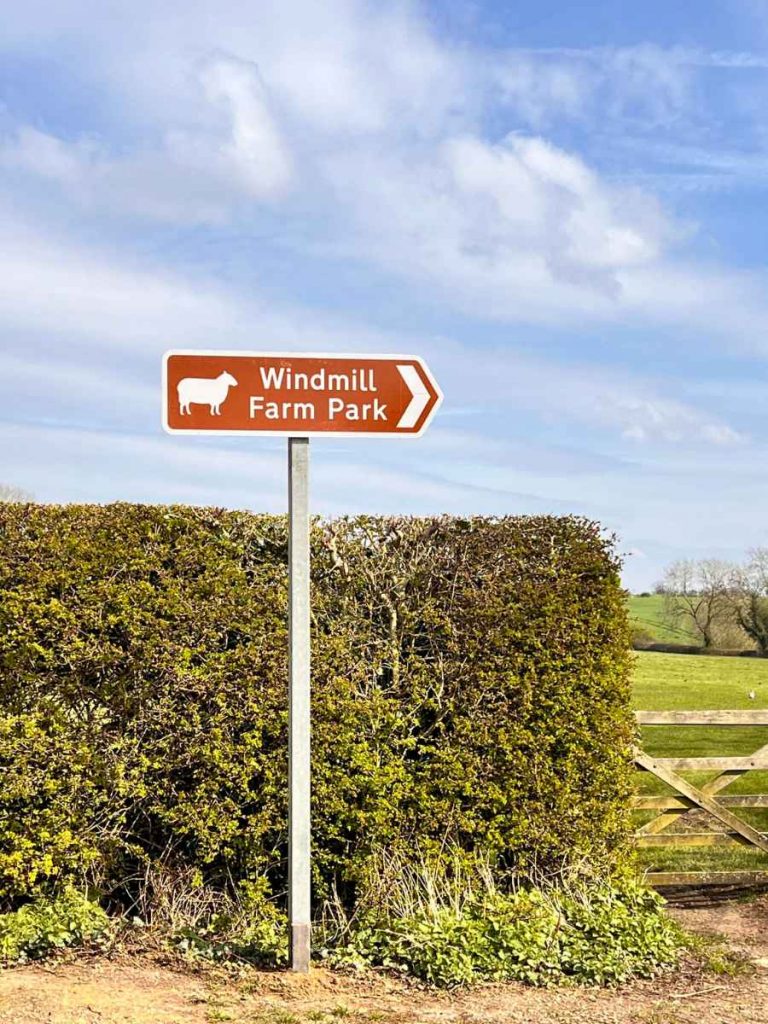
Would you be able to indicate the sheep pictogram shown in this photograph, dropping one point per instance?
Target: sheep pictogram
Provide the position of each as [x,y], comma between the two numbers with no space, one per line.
[204,391]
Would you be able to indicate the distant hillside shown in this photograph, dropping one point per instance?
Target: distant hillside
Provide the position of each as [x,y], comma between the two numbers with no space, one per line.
[647,614]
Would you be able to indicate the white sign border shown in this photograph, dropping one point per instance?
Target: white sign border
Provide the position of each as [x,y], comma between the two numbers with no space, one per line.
[359,434]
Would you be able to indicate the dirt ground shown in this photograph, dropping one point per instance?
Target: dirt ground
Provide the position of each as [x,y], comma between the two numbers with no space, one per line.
[144,990]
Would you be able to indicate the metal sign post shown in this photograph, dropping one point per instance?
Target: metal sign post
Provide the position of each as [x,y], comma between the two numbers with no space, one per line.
[298,395]
[299,867]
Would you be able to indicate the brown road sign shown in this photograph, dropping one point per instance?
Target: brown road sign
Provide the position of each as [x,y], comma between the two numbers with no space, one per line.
[284,393]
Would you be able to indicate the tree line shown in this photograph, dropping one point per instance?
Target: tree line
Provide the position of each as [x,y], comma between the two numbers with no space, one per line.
[719,603]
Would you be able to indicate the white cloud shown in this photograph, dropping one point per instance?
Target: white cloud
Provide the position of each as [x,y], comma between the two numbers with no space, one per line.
[700,168]
[357,68]
[556,200]
[623,405]
[644,84]
[255,146]
[36,152]
[50,285]
[721,305]
[648,419]
[520,230]
[647,85]
[540,89]
[194,174]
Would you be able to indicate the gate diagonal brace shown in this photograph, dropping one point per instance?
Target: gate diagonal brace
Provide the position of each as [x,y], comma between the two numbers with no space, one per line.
[699,798]
[720,782]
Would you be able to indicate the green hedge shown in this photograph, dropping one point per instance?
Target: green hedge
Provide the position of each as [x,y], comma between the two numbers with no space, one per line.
[470,686]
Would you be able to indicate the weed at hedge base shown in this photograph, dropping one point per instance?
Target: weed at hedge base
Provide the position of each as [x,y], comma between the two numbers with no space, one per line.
[45,926]
[450,927]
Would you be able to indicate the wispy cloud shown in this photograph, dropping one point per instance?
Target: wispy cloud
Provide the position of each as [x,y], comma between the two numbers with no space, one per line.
[192,175]
[644,83]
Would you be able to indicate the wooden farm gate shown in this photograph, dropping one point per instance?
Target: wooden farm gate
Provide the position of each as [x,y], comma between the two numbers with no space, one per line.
[687,797]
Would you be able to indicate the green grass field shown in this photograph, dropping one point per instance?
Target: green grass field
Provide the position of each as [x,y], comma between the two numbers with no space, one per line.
[647,613]
[669,682]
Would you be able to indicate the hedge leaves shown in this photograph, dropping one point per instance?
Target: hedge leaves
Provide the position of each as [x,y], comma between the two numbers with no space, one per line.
[470,685]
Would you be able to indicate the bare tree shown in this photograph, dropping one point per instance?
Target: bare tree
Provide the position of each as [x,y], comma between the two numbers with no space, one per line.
[698,597]
[10,493]
[750,597]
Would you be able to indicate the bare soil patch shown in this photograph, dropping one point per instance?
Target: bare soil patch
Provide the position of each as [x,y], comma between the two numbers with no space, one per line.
[147,990]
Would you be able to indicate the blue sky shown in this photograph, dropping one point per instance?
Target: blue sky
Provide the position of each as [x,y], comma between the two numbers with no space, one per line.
[561,206]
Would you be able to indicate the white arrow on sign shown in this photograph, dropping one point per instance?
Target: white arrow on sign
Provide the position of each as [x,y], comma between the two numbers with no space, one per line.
[420,396]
